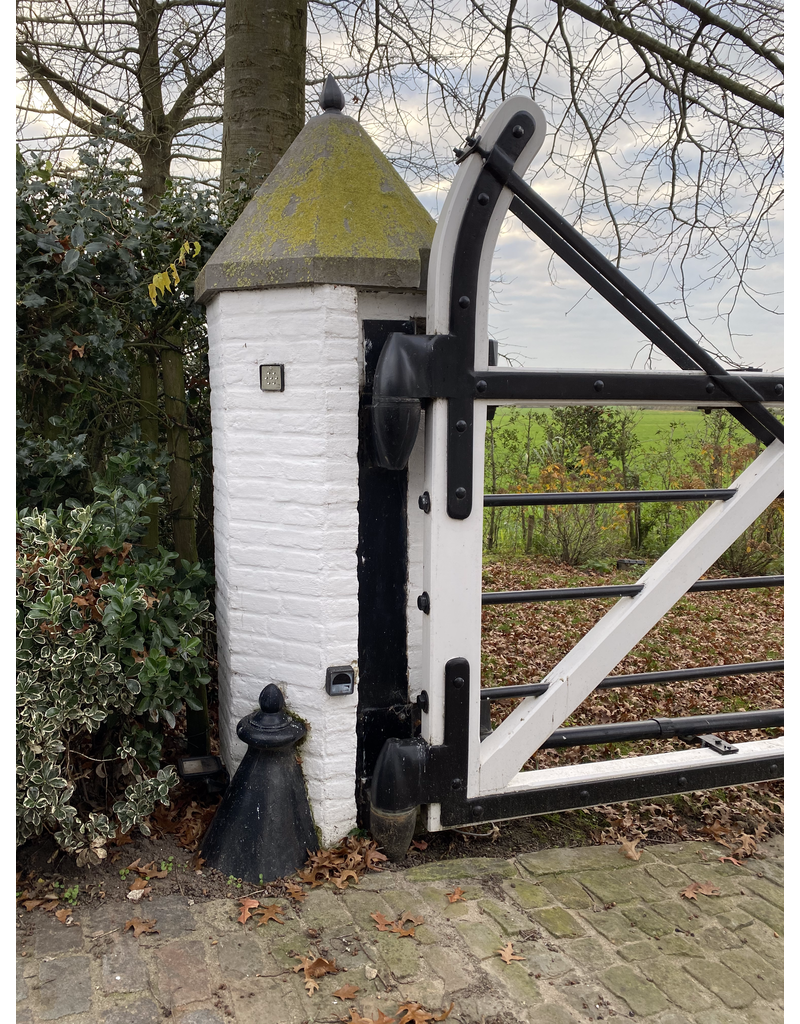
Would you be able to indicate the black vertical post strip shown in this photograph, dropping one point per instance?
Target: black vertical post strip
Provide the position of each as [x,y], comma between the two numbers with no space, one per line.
[383,706]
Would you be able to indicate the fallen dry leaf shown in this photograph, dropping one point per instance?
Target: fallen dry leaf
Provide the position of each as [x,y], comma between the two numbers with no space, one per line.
[507,953]
[733,860]
[403,932]
[270,913]
[64,915]
[419,844]
[414,1013]
[410,917]
[314,969]
[141,927]
[383,923]
[628,849]
[456,894]
[295,892]
[346,991]
[30,905]
[705,888]
[138,883]
[247,904]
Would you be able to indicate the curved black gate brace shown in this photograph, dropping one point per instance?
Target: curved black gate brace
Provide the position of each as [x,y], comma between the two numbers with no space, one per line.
[411,772]
[412,370]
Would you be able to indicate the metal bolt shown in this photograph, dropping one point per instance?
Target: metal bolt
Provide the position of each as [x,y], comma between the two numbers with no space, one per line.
[457,783]
[461,493]
[464,301]
[681,780]
[459,153]
[424,603]
[584,794]
[779,389]
[481,386]
[458,682]
[517,131]
[461,426]
[709,388]
[773,769]
[424,502]
[598,385]
[477,811]
[483,199]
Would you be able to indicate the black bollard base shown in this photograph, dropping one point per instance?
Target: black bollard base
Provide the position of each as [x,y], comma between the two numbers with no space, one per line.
[263,828]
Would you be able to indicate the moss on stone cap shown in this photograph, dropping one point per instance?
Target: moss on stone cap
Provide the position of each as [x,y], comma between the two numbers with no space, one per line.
[333,211]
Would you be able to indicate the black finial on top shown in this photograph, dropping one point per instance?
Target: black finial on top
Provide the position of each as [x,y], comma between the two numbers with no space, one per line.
[271,700]
[331,98]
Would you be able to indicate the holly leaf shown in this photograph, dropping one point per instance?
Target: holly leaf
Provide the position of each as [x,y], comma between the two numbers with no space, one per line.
[140,927]
[456,894]
[507,953]
[346,991]
[383,923]
[270,913]
[628,849]
[247,903]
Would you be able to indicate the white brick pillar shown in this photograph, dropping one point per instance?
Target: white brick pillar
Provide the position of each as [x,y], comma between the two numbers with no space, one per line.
[328,241]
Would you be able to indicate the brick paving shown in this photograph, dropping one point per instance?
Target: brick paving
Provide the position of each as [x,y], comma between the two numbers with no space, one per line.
[602,937]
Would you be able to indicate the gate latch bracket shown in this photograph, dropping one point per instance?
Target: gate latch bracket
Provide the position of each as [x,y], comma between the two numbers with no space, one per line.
[716,744]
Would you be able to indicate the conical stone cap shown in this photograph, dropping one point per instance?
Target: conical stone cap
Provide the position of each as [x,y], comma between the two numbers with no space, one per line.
[333,211]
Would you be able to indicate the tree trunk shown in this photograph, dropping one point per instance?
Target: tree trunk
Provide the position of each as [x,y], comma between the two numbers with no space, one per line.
[264,104]
[180,468]
[148,422]
[198,740]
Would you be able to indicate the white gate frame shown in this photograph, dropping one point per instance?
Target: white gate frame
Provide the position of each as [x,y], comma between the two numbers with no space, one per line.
[452,557]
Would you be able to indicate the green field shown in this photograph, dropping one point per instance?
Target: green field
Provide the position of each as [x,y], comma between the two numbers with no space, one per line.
[654,427]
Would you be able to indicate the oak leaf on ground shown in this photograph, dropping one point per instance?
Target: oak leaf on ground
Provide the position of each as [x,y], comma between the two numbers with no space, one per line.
[732,860]
[456,894]
[419,844]
[270,913]
[628,849]
[313,969]
[141,927]
[705,888]
[295,892]
[383,923]
[247,903]
[507,953]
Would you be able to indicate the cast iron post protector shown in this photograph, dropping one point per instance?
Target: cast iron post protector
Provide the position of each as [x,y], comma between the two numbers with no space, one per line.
[263,828]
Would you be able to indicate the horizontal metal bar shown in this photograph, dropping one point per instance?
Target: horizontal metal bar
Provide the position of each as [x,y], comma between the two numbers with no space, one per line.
[622,590]
[609,782]
[615,387]
[737,583]
[560,594]
[663,728]
[606,497]
[678,675]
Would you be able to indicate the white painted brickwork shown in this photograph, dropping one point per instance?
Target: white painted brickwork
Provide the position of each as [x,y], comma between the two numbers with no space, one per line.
[286,522]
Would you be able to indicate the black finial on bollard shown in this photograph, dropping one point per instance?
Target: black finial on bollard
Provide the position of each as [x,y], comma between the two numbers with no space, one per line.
[331,99]
[263,828]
